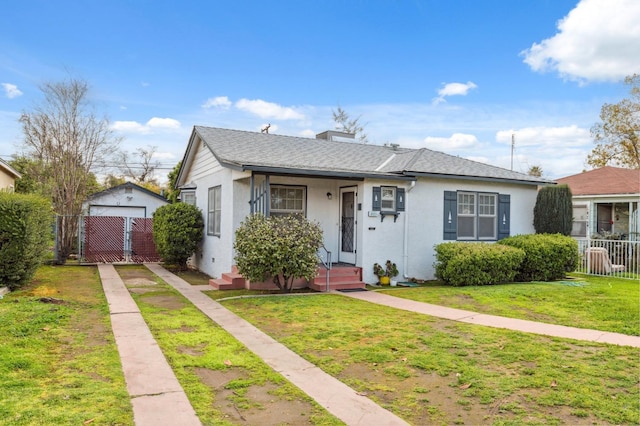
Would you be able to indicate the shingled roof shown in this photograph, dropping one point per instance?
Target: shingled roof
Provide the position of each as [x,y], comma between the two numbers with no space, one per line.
[604,181]
[304,156]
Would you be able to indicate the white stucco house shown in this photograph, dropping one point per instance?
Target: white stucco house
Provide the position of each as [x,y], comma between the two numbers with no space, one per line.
[373,202]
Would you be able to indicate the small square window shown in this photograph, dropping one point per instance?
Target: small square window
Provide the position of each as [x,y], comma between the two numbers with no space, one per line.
[388,199]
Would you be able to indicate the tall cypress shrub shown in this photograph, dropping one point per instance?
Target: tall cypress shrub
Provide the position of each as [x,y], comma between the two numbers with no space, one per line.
[553,213]
[25,236]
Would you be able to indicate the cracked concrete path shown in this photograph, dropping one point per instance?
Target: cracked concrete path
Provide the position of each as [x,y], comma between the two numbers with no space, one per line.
[336,397]
[156,395]
[497,321]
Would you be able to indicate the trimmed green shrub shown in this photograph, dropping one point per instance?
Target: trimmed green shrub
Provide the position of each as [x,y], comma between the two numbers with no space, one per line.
[547,256]
[26,224]
[177,231]
[461,264]
[553,212]
[282,248]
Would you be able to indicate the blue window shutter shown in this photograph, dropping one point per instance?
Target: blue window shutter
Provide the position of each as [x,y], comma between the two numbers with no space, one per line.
[504,216]
[400,199]
[377,199]
[450,215]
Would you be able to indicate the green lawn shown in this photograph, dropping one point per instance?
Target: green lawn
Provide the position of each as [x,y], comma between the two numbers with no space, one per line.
[432,371]
[58,361]
[599,303]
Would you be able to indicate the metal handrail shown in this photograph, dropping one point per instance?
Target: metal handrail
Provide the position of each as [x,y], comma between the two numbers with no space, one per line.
[326,264]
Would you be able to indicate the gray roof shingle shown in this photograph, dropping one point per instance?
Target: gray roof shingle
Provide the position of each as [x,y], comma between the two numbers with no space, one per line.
[252,150]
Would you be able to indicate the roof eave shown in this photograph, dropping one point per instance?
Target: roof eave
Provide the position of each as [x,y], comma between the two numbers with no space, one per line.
[481,178]
[320,173]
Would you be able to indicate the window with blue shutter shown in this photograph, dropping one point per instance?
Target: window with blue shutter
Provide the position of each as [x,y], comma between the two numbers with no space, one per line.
[504,216]
[471,216]
[388,200]
[450,215]
[377,199]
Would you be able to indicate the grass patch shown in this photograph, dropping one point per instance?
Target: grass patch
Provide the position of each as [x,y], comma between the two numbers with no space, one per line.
[58,360]
[599,303]
[225,382]
[430,371]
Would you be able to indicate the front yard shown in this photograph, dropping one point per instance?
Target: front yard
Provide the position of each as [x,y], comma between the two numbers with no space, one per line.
[59,365]
[432,371]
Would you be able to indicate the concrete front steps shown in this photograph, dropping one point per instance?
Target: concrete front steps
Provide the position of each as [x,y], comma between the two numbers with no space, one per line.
[340,278]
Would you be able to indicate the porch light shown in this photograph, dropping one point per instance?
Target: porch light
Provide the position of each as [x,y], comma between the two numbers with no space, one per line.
[329,195]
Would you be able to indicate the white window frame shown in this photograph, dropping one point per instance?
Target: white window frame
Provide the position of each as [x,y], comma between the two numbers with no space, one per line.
[473,206]
[275,207]
[188,197]
[483,214]
[214,210]
[388,197]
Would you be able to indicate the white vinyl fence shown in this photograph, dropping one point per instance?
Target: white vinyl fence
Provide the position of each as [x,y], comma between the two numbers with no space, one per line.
[619,258]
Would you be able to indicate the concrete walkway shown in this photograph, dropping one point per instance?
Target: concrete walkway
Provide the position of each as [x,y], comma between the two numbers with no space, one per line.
[496,321]
[156,395]
[336,397]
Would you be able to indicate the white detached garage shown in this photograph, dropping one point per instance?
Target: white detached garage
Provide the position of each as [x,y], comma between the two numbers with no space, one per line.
[117,225]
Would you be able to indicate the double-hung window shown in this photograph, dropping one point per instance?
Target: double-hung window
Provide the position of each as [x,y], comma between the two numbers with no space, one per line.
[476,216]
[287,200]
[213,211]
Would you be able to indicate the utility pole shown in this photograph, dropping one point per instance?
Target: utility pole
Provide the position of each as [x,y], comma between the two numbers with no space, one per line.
[513,144]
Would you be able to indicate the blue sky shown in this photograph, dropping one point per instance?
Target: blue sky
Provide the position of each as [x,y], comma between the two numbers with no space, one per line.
[458,76]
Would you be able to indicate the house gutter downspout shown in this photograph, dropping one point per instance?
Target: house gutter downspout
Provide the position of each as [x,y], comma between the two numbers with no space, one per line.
[405,248]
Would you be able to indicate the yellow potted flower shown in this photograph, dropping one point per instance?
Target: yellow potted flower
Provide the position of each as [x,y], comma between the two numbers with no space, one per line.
[385,273]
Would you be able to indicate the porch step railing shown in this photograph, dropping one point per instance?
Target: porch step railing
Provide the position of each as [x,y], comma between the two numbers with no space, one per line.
[325,259]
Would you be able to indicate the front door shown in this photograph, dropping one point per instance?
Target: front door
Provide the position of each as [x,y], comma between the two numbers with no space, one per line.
[348,225]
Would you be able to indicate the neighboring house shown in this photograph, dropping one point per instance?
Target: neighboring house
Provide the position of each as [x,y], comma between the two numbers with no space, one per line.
[605,203]
[8,176]
[373,202]
[128,200]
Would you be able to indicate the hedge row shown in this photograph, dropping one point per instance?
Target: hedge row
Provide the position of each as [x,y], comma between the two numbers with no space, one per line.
[26,223]
[548,256]
[462,264]
[537,257]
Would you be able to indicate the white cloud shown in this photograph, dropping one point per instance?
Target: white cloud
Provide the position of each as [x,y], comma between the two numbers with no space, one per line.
[598,40]
[454,142]
[164,123]
[11,90]
[129,127]
[308,133]
[568,136]
[453,89]
[265,109]
[222,102]
[559,151]
[153,123]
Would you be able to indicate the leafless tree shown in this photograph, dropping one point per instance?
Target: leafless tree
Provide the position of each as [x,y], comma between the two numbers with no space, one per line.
[64,134]
[139,166]
[345,123]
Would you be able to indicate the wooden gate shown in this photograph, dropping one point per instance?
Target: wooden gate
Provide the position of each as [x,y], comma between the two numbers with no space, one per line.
[113,239]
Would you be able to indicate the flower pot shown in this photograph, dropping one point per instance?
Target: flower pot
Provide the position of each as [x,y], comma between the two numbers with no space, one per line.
[394,283]
[385,280]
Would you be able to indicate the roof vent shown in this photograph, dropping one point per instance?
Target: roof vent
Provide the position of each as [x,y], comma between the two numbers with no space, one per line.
[393,146]
[330,135]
